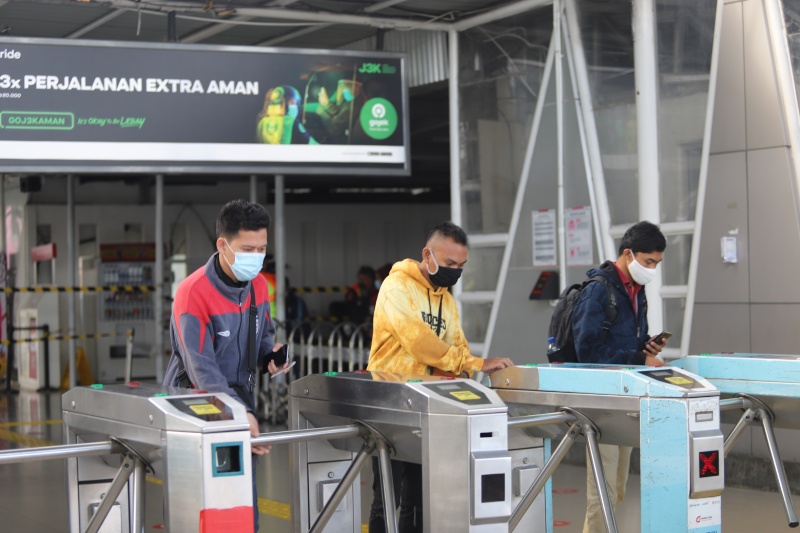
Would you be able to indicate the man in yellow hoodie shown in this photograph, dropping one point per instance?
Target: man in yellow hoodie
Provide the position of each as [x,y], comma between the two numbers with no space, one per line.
[417,330]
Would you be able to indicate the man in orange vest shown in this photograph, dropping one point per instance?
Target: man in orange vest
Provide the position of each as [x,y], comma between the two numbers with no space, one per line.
[268,271]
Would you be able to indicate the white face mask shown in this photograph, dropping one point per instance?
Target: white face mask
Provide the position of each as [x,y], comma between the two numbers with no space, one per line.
[640,274]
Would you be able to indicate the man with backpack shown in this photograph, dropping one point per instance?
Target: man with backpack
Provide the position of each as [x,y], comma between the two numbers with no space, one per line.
[606,335]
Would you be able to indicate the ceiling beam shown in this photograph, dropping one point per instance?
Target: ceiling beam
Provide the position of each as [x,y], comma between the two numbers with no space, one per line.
[211,30]
[302,16]
[293,35]
[508,10]
[311,29]
[80,32]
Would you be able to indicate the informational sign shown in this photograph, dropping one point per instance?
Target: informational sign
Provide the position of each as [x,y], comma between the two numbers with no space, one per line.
[544,238]
[578,224]
[705,515]
[86,106]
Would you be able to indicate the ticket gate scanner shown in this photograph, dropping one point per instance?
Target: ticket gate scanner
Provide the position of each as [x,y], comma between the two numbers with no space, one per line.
[456,429]
[755,387]
[198,444]
[670,414]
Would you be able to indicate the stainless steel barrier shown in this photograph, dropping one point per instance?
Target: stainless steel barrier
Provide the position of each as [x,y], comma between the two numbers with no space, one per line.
[456,429]
[771,383]
[197,443]
[671,415]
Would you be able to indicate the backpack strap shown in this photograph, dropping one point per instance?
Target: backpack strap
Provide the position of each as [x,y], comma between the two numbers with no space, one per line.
[612,309]
[252,353]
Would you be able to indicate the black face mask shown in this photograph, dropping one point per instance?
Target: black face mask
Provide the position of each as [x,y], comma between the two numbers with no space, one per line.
[444,276]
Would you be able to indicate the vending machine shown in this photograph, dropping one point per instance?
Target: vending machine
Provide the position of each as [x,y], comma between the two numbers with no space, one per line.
[128,267]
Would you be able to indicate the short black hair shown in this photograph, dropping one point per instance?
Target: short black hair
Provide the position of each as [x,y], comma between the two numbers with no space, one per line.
[367,271]
[239,215]
[644,237]
[449,231]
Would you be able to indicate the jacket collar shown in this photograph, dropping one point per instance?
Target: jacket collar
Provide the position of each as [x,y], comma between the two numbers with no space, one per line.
[232,290]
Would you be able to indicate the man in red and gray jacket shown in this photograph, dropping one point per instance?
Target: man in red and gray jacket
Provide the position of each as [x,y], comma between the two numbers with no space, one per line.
[210,324]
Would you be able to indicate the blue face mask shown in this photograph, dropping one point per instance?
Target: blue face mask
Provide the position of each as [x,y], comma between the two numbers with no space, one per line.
[246,265]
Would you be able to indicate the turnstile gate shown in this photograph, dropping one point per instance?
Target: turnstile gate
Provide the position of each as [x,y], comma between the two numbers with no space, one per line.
[755,387]
[456,429]
[197,444]
[670,414]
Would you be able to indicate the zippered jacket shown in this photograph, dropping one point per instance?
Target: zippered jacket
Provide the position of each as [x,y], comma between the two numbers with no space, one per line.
[209,331]
[408,335]
[627,336]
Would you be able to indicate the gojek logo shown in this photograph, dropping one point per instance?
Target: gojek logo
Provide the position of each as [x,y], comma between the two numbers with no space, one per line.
[378,118]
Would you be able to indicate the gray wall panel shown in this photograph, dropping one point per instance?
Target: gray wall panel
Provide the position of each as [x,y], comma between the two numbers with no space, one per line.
[521,330]
[720,328]
[764,120]
[726,211]
[774,328]
[774,237]
[729,124]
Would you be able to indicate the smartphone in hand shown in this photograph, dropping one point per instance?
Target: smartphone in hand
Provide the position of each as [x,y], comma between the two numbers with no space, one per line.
[661,337]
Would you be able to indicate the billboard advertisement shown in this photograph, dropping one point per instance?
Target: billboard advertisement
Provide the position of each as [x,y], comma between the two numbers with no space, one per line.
[97,106]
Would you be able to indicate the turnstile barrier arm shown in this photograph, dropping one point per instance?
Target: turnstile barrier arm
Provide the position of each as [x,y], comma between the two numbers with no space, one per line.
[305,435]
[547,471]
[755,409]
[387,486]
[129,465]
[65,451]
[746,419]
[600,478]
[344,486]
[777,465]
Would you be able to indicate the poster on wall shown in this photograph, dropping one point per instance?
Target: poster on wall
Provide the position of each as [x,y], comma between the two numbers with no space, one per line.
[86,106]
[544,238]
[578,225]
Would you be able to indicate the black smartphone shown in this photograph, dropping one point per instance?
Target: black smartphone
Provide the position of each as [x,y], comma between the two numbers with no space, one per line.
[661,337]
[279,357]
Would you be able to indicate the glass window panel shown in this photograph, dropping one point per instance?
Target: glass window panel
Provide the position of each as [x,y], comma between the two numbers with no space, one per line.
[483,269]
[673,320]
[791,14]
[608,44]
[675,266]
[500,73]
[475,320]
[685,38]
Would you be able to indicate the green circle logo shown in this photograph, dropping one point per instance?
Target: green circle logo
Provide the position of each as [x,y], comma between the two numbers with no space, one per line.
[379,118]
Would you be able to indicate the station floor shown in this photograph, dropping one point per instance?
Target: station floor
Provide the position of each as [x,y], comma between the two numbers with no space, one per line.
[33,496]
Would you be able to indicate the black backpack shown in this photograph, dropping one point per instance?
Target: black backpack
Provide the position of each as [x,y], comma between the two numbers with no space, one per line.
[561,322]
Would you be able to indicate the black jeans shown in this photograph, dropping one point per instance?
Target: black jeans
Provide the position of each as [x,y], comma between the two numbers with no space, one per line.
[407,481]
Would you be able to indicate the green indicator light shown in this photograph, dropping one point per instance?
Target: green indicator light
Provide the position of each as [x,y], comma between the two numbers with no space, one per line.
[96,386]
[414,381]
[331,373]
[161,394]
[705,355]
[628,368]
[530,364]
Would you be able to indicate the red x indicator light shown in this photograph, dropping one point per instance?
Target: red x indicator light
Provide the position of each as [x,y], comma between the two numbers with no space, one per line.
[709,464]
